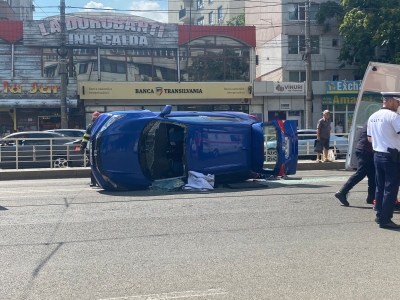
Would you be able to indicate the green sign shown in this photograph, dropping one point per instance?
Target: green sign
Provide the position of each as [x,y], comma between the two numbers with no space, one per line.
[349,98]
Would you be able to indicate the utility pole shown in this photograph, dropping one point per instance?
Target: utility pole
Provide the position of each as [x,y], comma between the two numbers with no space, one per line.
[309,119]
[63,67]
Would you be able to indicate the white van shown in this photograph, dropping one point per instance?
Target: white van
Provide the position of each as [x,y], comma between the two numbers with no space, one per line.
[378,77]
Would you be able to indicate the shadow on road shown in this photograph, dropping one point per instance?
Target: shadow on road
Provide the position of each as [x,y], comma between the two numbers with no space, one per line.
[219,188]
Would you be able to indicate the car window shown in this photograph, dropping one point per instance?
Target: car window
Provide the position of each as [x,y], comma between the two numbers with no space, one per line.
[78,134]
[40,139]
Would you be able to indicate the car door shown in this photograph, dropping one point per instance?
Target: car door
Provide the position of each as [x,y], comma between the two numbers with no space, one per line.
[274,147]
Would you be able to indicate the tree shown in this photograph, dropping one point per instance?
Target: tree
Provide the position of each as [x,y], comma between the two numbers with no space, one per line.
[239,20]
[370,28]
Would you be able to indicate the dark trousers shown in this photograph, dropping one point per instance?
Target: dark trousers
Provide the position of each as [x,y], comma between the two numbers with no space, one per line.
[387,186]
[365,167]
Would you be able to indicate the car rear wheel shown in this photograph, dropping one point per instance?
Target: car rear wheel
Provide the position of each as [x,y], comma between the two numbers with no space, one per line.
[272,155]
[60,162]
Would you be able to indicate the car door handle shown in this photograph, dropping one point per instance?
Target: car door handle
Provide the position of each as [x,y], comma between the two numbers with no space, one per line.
[245,148]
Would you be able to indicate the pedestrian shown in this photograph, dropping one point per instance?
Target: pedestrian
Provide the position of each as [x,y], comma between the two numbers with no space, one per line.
[365,167]
[383,131]
[323,135]
[85,140]
[339,128]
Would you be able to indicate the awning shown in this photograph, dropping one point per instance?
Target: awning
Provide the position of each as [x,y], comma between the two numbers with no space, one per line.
[36,103]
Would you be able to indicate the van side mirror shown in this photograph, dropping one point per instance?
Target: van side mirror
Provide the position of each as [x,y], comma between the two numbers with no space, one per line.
[166,111]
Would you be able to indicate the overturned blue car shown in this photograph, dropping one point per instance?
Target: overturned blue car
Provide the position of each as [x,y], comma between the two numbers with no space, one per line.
[129,150]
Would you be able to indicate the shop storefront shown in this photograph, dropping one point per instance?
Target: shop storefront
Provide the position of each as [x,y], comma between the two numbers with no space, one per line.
[149,56]
[112,96]
[27,105]
[340,100]
[280,101]
[107,50]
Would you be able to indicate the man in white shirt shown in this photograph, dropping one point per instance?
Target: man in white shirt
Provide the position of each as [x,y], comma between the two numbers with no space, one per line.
[383,132]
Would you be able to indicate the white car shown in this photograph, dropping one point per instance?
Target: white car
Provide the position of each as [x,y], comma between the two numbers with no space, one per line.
[308,136]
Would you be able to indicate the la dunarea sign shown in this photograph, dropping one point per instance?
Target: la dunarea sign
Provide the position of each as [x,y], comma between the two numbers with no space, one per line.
[100,31]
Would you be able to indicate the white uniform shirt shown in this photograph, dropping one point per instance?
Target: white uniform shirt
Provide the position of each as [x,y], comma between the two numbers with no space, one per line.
[383,127]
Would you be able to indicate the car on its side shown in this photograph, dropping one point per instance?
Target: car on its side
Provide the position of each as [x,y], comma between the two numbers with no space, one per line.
[308,136]
[39,149]
[74,133]
[131,149]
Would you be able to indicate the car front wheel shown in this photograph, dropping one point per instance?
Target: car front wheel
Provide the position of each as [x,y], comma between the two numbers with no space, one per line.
[60,162]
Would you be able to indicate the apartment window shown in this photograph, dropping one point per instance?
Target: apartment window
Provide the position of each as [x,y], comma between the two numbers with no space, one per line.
[200,21]
[335,78]
[211,18]
[200,4]
[335,43]
[220,17]
[300,76]
[297,11]
[297,44]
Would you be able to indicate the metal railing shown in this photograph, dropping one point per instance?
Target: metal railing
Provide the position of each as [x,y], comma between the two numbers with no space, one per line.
[20,153]
[338,148]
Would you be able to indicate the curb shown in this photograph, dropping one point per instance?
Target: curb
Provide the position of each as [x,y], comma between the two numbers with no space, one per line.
[312,165]
[30,174]
[81,172]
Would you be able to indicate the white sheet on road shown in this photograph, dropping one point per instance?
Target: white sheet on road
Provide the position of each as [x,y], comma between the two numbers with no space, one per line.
[199,182]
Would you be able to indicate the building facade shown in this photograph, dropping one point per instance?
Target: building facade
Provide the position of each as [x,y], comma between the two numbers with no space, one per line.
[281,43]
[204,12]
[281,61]
[18,10]
[122,62]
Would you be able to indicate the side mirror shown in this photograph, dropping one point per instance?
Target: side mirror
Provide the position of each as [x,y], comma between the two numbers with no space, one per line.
[166,111]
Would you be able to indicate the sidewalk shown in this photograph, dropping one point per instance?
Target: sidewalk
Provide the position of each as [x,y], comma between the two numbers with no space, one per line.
[30,174]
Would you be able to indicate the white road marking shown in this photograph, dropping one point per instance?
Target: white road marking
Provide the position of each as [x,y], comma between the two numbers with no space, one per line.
[173,295]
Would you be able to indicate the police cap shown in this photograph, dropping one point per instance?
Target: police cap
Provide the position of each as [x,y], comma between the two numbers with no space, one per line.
[394,95]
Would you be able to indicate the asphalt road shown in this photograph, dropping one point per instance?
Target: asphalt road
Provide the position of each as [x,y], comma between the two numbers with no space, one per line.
[60,239]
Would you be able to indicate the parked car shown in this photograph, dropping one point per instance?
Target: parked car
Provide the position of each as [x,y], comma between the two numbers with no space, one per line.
[34,149]
[308,136]
[131,149]
[75,133]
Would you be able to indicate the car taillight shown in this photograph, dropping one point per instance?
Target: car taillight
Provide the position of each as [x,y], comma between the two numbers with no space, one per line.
[280,124]
[282,170]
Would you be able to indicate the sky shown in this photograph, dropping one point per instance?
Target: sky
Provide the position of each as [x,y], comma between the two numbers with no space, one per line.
[152,9]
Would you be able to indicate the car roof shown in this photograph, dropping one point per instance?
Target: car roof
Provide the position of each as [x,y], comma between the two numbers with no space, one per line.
[72,129]
[35,132]
[147,113]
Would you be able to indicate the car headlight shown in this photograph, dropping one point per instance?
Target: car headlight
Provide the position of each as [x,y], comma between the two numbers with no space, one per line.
[109,122]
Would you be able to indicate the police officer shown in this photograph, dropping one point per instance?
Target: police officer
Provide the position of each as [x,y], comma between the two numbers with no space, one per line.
[383,131]
[365,167]
[85,140]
